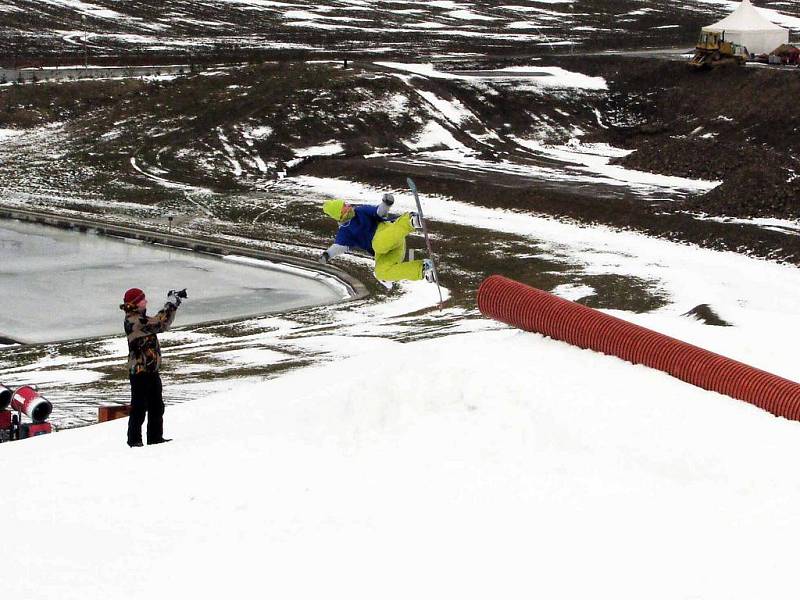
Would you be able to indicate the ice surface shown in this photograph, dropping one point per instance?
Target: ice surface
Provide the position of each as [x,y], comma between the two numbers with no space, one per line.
[58,284]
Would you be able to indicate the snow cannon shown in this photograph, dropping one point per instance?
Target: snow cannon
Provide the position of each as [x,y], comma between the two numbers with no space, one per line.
[5,397]
[28,401]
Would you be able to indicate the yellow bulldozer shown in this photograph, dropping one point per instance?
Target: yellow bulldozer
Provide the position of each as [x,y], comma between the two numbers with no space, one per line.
[713,50]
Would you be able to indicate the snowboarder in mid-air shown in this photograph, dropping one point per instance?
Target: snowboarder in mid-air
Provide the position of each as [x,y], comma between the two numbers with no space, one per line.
[371,229]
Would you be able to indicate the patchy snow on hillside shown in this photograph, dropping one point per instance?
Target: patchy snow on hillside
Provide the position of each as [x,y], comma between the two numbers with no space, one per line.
[434,135]
[10,133]
[745,291]
[260,132]
[452,110]
[552,77]
[791,226]
[163,181]
[328,149]
[432,26]
[595,158]
[85,8]
[542,76]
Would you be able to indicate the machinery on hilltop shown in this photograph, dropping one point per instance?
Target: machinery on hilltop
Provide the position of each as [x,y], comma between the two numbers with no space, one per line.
[713,50]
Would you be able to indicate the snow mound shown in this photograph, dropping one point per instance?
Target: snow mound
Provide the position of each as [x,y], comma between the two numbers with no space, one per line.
[490,464]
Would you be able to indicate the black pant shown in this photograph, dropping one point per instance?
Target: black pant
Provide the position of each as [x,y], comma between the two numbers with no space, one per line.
[146,399]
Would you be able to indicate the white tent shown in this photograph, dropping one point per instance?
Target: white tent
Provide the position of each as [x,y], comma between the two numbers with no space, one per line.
[748,27]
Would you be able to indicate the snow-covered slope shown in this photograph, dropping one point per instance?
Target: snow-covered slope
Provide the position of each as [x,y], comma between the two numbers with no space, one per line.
[494,464]
[487,464]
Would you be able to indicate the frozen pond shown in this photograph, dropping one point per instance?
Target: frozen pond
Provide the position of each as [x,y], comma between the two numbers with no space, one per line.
[60,284]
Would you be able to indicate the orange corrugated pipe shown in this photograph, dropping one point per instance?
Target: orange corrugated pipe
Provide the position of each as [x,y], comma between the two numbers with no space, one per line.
[534,310]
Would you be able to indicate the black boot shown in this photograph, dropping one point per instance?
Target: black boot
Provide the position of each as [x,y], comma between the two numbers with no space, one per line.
[161,441]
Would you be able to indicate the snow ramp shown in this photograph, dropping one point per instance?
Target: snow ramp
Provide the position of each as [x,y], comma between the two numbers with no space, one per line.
[537,311]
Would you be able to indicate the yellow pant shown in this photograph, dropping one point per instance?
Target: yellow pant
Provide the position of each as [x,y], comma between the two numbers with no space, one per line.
[389,244]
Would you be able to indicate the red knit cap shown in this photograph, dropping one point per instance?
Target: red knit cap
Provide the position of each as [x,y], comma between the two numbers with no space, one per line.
[133,296]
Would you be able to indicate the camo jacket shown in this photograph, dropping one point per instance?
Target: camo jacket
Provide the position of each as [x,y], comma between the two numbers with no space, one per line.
[144,352]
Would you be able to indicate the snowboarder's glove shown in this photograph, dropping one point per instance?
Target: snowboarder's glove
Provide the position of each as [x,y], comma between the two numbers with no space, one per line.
[174,297]
[324,258]
[387,199]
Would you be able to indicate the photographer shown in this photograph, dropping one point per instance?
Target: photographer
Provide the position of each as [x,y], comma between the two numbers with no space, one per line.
[144,360]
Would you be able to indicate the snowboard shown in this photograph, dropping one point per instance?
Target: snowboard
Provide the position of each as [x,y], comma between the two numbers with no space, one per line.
[413,188]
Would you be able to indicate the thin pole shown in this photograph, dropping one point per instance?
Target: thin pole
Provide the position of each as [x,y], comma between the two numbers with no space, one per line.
[85,49]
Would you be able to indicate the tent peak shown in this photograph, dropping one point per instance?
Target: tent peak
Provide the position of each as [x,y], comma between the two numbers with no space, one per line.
[748,26]
[746,17]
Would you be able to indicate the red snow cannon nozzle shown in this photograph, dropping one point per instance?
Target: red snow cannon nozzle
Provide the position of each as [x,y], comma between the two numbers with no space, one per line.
[28,401]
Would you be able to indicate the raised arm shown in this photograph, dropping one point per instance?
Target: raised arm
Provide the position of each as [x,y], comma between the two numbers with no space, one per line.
[385,205]
[161,321]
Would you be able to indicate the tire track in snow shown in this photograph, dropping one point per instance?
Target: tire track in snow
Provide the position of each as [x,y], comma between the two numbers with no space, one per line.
[175,185]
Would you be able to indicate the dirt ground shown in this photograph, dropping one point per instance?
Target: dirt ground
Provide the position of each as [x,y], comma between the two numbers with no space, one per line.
[737,125]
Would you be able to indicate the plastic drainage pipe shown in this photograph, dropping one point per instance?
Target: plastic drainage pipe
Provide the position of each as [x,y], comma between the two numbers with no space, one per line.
[537,311]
